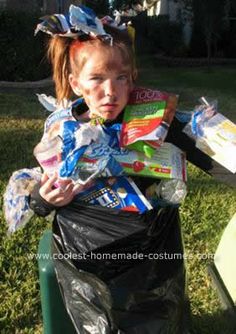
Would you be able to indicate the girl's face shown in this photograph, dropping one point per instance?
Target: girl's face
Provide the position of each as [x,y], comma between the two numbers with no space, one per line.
[104,81]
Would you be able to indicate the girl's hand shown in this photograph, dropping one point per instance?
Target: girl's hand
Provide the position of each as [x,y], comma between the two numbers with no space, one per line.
[60,196]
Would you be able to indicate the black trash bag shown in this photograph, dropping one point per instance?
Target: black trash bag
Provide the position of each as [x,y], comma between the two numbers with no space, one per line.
[106,287]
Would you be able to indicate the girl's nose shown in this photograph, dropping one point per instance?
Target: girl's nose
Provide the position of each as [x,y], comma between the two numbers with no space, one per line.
[109,88]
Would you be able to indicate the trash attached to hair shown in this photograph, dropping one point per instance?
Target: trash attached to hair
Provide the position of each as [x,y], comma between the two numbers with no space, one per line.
[81,21]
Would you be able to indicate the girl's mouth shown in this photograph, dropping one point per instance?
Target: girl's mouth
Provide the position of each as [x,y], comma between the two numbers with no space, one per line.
[108,106]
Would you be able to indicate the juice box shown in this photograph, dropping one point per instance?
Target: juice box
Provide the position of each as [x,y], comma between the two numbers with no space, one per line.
[146,111]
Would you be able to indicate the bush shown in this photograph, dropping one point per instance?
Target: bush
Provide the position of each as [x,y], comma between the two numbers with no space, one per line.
[165,36]
[23,55]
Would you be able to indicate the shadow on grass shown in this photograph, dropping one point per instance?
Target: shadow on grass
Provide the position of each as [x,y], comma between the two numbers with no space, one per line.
[221,322]
[225,180]
[22,104]
[16,150]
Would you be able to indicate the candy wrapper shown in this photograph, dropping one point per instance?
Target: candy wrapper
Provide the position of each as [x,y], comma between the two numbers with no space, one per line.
[16,197]
[116,193]
[147,117]
[214,134]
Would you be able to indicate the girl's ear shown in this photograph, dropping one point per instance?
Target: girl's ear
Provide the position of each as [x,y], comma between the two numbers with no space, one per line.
[134,75]
[74,84]
[132,81]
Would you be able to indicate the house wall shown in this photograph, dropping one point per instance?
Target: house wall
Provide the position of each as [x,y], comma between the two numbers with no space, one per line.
[164,7]
[2,4]
[174,10]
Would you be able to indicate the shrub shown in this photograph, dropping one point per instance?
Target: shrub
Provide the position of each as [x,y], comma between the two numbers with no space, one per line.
[165,36]
[23,55]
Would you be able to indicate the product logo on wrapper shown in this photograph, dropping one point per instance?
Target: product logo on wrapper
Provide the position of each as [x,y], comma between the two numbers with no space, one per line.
[101,150]
[116,192]
[56,116]
[104,197]
[147,95]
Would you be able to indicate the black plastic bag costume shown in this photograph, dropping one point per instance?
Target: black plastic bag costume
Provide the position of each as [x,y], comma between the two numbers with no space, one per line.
[128,294]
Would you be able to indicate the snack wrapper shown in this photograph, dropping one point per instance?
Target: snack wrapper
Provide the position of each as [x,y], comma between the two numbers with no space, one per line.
[116,193]
[214,134]
[84,150]
[16,197]
[103,143]
[147,117]
[63,145]
[168,162]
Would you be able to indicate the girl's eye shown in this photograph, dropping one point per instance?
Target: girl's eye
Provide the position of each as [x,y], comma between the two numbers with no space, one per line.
[123,77]
[96,78]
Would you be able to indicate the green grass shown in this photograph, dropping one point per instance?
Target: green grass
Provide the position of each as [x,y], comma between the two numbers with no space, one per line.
[204,213]
[191,83]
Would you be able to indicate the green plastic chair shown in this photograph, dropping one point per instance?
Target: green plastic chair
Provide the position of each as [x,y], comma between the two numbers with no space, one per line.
[55,317]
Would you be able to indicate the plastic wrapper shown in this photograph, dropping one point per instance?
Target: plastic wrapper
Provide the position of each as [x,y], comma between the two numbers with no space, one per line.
[48,154]
[168,162]
[120,273]
[16,197]
[200,115]
[166,192]
[116,193]
[214,134]
[80,20]
[50,103]
[62,151]
[90,149]
[147,117]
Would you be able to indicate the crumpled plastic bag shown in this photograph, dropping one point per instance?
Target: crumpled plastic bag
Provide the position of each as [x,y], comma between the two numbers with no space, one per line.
[16,197]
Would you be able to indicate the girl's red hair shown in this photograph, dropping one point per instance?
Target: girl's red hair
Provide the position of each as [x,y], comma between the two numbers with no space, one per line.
[63,54]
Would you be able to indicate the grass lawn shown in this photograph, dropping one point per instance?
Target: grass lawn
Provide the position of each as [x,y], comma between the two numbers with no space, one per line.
[205,212]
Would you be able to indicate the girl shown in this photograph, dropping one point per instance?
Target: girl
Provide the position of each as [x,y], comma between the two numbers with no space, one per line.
[102,73]
[112,294]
